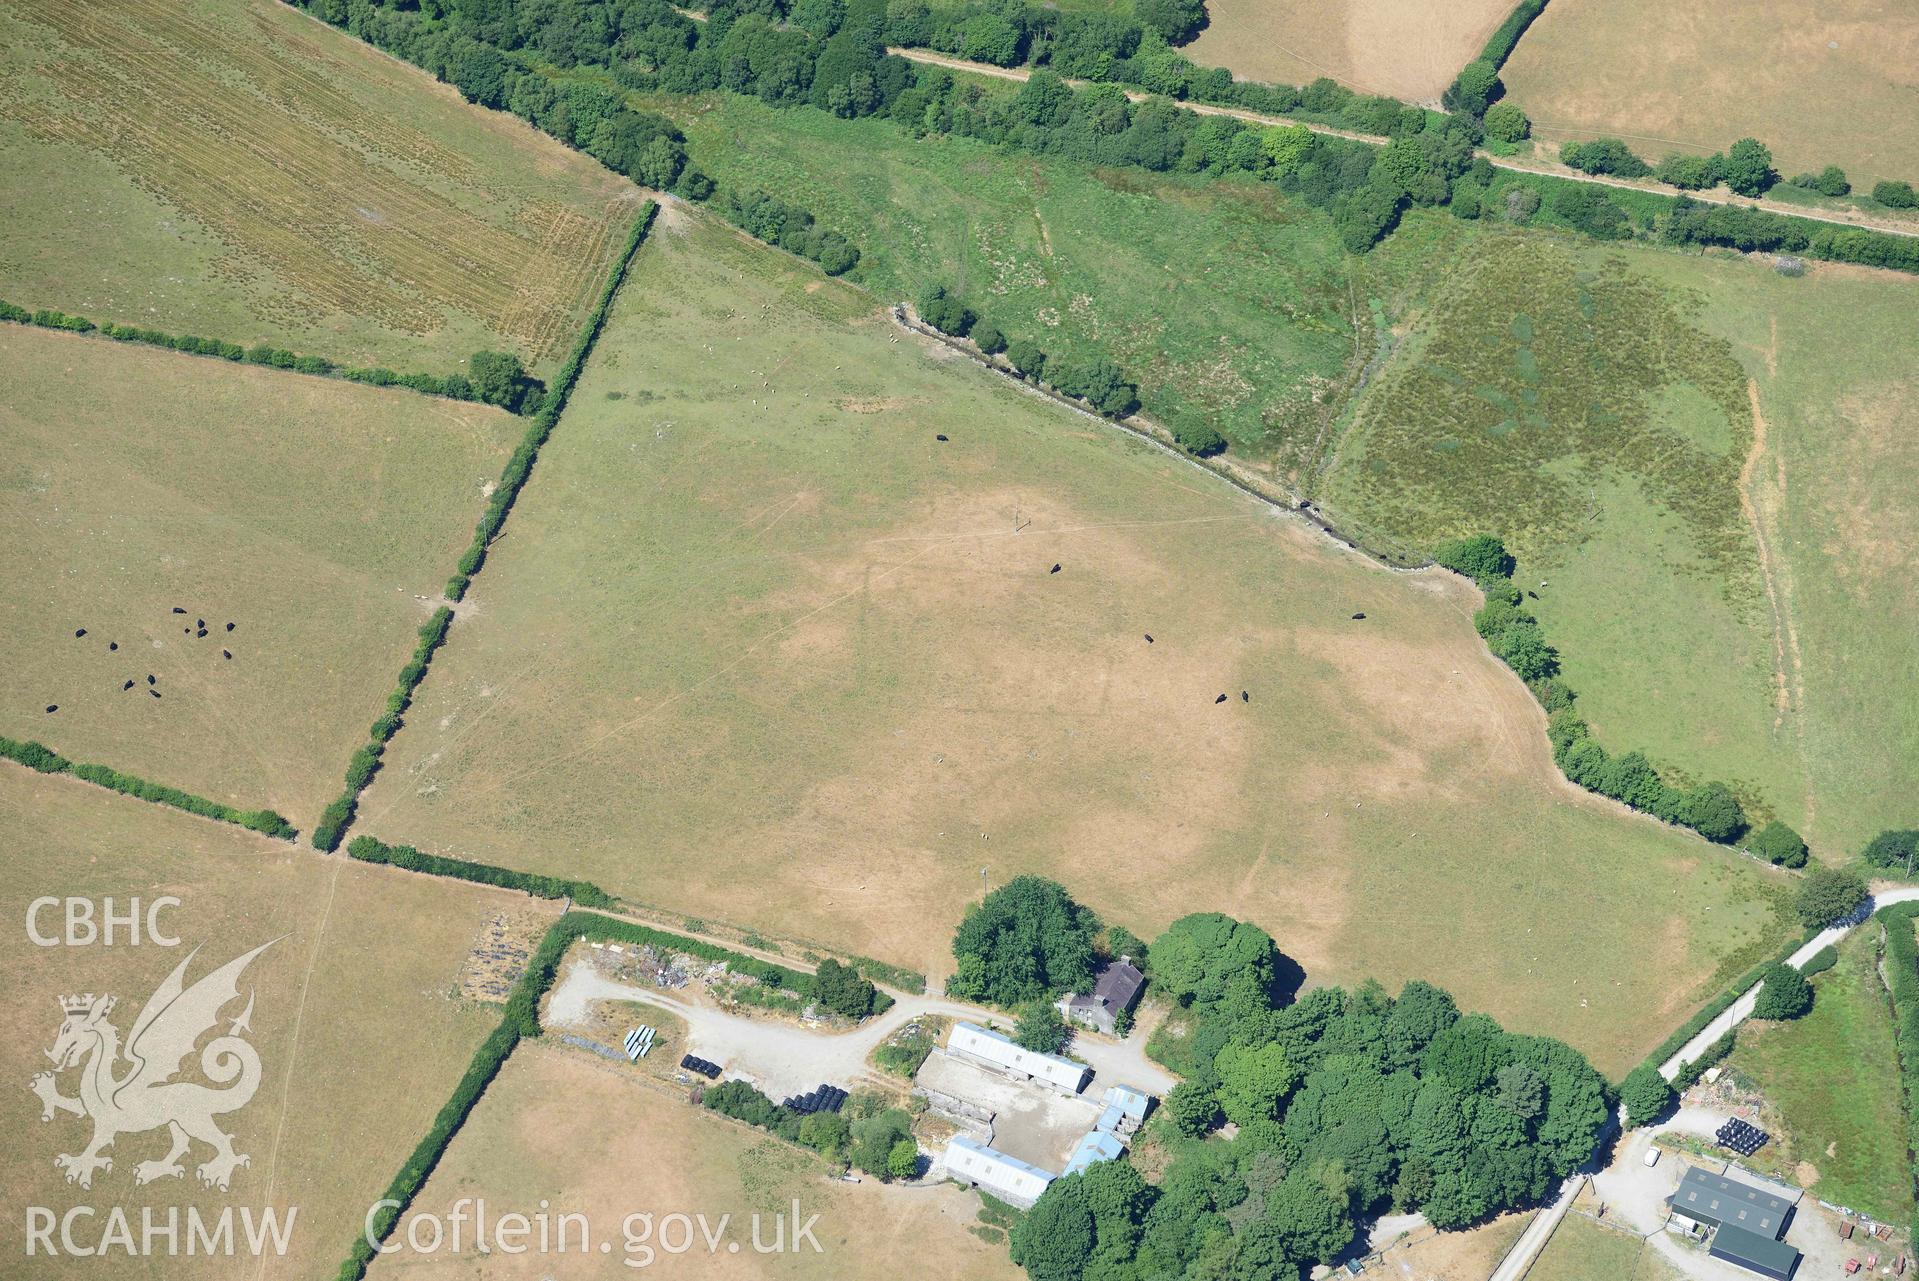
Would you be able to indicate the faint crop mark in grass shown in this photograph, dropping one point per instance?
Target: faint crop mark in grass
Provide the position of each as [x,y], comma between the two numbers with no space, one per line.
[1537,381]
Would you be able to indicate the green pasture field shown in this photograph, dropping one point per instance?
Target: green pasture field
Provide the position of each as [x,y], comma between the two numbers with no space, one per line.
[759,648]
[353,1014]
[1733,602]
[1582,1249]
[1227,302]
[317,516]
[236,170]
[1854,1139]
[1571,399]
[1831,356]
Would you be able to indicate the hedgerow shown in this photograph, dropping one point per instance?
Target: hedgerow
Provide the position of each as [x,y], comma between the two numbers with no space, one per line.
[365,762]
[1094,381]
[1516,639]
[38,756]
[1902,975]
[792,57]
[520,465]
[369,850]
[1755,230]
[893,975]
[1721,1003]
[1500,44]
[450,386]
[790,227]
[521,1020]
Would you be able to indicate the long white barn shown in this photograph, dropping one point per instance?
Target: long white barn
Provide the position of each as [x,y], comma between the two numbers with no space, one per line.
[1008,1178]
[970,1041]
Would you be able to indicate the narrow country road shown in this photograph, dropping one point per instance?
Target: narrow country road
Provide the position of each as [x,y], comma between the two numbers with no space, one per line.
[1629,1152]
[1520,1258]
[1845,218]
[1737,1013]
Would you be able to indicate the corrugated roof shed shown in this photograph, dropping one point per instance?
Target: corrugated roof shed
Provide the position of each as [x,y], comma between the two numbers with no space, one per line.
[1755,1252]
[1711,1198]
[1098,1145]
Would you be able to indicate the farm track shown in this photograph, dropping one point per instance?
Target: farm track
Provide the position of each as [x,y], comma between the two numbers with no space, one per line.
[1544,168]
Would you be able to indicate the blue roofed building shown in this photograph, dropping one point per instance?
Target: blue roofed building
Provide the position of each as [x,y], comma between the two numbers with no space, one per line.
[1098,1145]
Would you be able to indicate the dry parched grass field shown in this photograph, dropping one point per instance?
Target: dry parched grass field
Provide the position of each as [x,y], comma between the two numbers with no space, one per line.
[1825,83]
[562,1131]
[235,169]
[1400,48]
[359,1035]
[312,514]
[760,648]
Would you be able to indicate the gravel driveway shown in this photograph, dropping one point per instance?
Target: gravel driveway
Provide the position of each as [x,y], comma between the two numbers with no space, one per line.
[783,1058]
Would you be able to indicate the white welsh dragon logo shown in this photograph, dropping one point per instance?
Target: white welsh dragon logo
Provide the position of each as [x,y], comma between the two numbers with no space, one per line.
[142,1096]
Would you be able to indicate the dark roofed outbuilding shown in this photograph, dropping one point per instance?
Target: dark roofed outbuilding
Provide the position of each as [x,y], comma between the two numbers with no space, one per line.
[1716,1201]
[1116,988]
[1755,1252]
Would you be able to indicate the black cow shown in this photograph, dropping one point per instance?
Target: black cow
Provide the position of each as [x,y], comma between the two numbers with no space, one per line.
[1219,700]
[1054,569]
[82,632]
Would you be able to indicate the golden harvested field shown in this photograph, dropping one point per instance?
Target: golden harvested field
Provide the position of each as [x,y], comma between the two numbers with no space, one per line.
[1828,83]
[562,1131]
[234,169]
[317,516]
[759,648]
[358,1034]
[1408,49]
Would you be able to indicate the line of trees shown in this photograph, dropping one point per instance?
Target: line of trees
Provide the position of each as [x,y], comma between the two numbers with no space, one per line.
[778,222]
[876,1138]
[1746,168]
[365,762]
[40,757]
[1516,639]
[1094,380]
[1477,87]
[1105,48]
[496,378]
[1691,222]
[831,55]
[369,850]
[1344,1104]
[1902,976]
